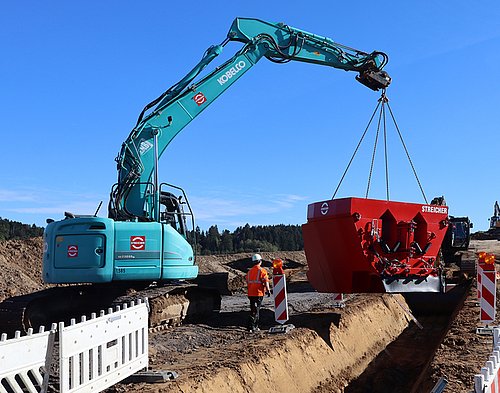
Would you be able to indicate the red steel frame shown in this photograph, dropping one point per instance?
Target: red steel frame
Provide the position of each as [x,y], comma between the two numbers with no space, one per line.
[354,245]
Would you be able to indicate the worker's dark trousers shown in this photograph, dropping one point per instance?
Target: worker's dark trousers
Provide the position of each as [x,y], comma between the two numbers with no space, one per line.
[255,303]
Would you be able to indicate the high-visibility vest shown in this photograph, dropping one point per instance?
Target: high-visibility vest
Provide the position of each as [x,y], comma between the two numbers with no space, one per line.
[256,281]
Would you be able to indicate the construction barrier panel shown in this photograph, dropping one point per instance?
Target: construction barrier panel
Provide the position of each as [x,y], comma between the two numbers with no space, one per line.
[488,293]
[489,379]
[93,354]
[280,299]
[97,353]
[24,361]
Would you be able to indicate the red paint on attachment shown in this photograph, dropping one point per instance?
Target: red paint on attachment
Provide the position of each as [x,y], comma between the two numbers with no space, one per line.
[351,243]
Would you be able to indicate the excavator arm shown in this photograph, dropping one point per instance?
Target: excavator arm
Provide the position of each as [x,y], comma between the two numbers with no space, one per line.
[136,196]
[495,218]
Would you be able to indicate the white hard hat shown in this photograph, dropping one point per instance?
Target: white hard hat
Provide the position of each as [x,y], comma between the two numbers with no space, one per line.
[256,258]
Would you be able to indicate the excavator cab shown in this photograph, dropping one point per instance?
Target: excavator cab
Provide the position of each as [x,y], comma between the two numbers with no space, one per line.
[172,210]
[457,239]
[459,233]
[173,213]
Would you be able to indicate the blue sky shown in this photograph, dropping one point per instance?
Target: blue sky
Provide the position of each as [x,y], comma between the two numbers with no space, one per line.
[75,75]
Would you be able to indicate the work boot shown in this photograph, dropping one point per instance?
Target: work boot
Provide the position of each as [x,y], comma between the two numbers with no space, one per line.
[255,330]
[251,323]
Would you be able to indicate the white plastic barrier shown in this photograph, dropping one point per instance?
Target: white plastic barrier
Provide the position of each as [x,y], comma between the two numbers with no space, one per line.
[24,361]
[489,379]
[97,353]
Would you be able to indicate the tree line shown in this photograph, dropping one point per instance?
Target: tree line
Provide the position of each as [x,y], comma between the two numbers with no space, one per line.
[17,230]
[212,241]
[248,239]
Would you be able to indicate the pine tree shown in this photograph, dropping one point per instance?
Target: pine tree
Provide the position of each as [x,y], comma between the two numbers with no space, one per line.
[226,245]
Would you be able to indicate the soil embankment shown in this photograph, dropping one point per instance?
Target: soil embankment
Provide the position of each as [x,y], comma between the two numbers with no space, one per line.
[21,262]
[324,353]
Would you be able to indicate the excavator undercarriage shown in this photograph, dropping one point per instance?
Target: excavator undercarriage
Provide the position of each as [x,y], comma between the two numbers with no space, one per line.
[169,304]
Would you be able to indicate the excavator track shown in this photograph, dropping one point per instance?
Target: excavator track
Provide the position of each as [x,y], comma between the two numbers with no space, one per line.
[170,304]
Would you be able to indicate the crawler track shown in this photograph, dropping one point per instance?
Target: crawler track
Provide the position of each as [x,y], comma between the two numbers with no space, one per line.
[169,304]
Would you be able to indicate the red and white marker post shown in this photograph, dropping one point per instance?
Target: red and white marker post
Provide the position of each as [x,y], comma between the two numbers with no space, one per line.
[280,299]
[279,292]
[338,300]
[487,290]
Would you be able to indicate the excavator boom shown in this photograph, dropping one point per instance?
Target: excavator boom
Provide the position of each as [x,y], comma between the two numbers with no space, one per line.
[495,218]
[136,194]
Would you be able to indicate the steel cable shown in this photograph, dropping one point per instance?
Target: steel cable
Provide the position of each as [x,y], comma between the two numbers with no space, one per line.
[407,154]
[374,149]
[356,150]
[386,156]
[382,118]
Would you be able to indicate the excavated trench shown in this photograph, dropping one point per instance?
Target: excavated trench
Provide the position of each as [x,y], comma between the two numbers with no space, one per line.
[372,345]
[403,366]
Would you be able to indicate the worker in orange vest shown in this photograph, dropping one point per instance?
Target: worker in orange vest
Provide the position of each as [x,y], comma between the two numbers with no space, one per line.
[257,285]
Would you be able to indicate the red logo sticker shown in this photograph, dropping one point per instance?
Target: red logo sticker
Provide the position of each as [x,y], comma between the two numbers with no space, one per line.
[72,251]
[199,98]
[137,243]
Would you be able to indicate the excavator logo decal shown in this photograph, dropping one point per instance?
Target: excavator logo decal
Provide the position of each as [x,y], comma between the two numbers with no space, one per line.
[231,72]
[72,251]
[137,243]
[324,208]
[199,98]
[144,147]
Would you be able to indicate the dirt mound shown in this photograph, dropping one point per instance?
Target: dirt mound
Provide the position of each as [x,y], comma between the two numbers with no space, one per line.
[21,271]
[238,263]
[491,234]
[476,246]
[227,272]
[21,262]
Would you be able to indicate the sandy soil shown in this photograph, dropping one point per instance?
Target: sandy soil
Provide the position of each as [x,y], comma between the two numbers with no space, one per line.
[21,263]
[355,349]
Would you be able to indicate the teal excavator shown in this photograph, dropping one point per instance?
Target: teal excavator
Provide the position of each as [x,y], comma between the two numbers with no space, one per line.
[145,238]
